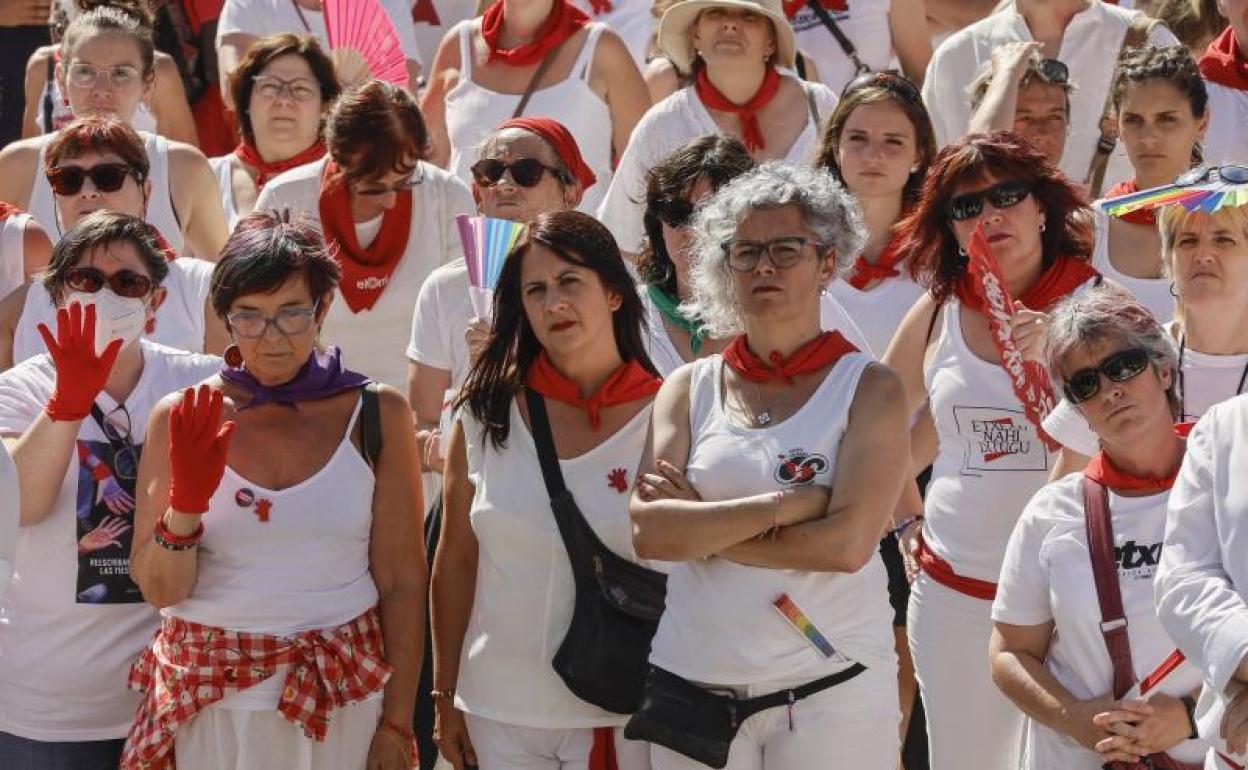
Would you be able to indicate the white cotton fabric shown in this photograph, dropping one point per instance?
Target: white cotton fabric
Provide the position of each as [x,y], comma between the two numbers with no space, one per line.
[864,22]
[12,252]
[632,20]
[1228,114]
[223,169]
[262,18]
[442,315]
[9,514]
[539,748]
[878,311]
[1153,293]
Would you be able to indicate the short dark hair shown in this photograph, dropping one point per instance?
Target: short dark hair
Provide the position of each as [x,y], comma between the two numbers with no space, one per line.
[1172,63]
[102,228]
[265,251]
[264,51]
[374,129]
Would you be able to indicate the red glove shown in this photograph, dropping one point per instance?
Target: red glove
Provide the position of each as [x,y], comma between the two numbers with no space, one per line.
[80,373]
[197,449]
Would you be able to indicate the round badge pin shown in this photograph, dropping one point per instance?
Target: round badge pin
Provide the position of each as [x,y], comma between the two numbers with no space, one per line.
[244,497]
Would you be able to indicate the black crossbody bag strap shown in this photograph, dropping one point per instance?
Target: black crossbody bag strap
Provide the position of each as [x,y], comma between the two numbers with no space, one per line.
[846,44]
[370,424]
[567,516]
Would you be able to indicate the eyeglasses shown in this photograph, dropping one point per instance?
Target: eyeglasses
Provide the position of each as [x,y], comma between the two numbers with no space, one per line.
[1232,173]
[83,75]
[1051,71]
[889,81]
[123,283]
[117,428]
[1119,367]
[271,88]
[674,212]
[744,256]
[526,172]
[290,321]
[407,184]
[107,177]
[1002,195]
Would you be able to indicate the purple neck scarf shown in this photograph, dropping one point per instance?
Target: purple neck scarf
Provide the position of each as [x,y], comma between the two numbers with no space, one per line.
[322,376]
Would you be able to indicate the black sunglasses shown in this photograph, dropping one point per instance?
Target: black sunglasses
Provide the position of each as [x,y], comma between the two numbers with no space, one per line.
[889,81]
[1052,71]
[1002,195]
[526,172]
[124,283]
[1233,173]
[673,212]
[1119,367]
[107,177]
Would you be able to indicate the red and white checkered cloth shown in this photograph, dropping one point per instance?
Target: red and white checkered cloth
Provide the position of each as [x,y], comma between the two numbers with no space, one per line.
[190,666]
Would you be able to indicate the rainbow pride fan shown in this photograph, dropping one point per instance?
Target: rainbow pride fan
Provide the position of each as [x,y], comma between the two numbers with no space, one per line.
[363,43]
[1204,189]
[486,242]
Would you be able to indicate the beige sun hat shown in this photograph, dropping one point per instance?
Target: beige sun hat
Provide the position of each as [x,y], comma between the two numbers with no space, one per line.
[674,40]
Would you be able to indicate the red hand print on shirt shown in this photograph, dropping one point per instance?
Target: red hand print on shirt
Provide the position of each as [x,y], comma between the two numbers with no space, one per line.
[617,479]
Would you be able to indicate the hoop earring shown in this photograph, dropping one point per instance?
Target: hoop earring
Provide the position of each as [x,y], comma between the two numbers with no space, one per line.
[1173,293]
[233,356]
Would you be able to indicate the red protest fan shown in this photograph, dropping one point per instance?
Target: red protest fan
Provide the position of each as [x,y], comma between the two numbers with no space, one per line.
[363,43]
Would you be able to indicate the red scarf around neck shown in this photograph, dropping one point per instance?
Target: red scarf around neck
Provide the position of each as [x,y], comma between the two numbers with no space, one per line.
[1139,217]
[564,21]
[365,272]
[822,351]
[713,98]
[629,382]
[1222,62]
[8,209]
[1102,470]
[885,266]
[248,154]
[1058,280]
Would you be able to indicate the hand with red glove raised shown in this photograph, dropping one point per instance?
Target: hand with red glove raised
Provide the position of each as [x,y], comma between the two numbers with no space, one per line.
[197,449]
[80,372]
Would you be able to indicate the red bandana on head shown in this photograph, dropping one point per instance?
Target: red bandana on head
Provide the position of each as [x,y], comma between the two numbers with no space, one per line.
[247,153]
[823,350]
[561,141]
[1139,217]
[629,382]
[713,98]
[1224,64]
[1103,471]
[885,266]
[365,272]
[564,21]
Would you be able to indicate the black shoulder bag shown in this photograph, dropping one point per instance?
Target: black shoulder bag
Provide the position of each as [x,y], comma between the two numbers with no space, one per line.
[602,658]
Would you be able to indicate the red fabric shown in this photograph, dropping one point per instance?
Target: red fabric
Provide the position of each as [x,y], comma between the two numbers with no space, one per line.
[1229,762]
[80,372]
[8,209]
[214,124]
[190,666]
[751,132]
[942,572]
[198,442]
[823,350]
[792,7]
[1140,217]
[564,21]
[1058,280]
[365,272]
[424,12]
[884,268]
[170,254]
[247,153]
[1222,62]
[561,140]
[602,754]
[600,7]
[629,382]
[200,12]
[1102,470]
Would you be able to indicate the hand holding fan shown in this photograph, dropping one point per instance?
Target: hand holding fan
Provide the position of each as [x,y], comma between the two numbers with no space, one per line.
[363,43]
[486,242]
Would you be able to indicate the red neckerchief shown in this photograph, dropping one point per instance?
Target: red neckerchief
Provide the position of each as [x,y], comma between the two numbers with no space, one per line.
[7,210]
[564,21]
[792,7]
[629,382]
[1059,279]
[424,13]
[884,268]
[1138,217]
[822,351]
[365,272]
[1222,63]
[1103,471]
[747,113]
[248,154]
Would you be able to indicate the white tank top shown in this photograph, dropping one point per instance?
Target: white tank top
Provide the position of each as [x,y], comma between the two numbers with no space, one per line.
[472,113]
[878,311]
[1152,293]
[713,603]
[160,212]
[990,460]
[223,170]
[659,346]
[12,251]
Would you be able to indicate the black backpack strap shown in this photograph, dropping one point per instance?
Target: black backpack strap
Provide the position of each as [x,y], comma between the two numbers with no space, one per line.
[846,45]
[370,424]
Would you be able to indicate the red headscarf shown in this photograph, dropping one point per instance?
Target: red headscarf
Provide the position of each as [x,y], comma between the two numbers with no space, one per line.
[1224,64]
[564,21]
[561,140]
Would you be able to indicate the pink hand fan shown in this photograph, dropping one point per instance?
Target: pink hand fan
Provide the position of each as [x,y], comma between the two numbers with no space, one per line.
[363,43]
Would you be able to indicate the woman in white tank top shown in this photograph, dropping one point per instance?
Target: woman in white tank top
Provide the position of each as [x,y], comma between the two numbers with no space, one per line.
[989,456]
[484,66]
[770,479]
[24,248]
[503,589]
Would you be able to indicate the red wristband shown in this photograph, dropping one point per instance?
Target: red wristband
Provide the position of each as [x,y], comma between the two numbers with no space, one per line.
[178,541]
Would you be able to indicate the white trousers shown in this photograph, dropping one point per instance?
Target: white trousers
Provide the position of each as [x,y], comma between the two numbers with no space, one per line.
[501,746]
[852,726]
[971,725]
[218,738]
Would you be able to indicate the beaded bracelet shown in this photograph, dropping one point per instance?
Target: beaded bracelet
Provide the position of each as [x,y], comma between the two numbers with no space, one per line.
[171,542]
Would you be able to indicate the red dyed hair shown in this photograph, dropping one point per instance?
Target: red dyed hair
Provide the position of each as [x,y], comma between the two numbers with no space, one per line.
[935,260]
[99,134]
[375,129]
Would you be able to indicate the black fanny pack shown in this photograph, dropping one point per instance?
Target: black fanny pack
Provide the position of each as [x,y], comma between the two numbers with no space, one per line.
[677,714]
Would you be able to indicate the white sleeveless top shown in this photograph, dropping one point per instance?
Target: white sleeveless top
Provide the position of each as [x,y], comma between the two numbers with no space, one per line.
[525,591]
[223,169]
[1152,293]
[160,212]
[12,251]
[990,460]
[878,311]
[712,603]
[473,112]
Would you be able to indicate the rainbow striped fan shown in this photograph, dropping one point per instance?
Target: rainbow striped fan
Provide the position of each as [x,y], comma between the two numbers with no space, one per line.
[363,43]
[1211,189]
[487,242]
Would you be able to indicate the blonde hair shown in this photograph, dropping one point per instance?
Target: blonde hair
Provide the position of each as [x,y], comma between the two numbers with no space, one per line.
[1170,220]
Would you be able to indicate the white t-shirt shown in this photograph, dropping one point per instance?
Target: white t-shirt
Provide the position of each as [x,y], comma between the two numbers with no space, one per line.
[450,12]
[1228,114]
[8,517]
[666,127]
[1047,576]
[1152,293]
[443,312]
[270,17]
[374,341]
[12,251]
[878,311]
[864,22]
[1089,48]
[525,592]
[72,624]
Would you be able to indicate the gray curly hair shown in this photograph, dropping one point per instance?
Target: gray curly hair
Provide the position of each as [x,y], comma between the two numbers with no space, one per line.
[828,210]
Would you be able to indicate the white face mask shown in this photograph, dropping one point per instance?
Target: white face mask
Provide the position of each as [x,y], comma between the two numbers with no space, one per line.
[115,317]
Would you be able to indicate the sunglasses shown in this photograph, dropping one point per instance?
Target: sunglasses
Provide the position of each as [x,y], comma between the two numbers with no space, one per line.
[1232,173]
[1119,367]
[526,172]
[1002,195]
[123,283]
[1051,71]
[674,212]
[889,81]
[107,177]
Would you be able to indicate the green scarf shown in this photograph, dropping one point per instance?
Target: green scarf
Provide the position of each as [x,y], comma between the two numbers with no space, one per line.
[669,306]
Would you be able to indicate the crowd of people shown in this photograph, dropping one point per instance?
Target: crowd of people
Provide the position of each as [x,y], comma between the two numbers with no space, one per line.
[858,383]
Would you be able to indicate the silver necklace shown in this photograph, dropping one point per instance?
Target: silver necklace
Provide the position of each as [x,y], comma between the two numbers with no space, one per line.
[764,417]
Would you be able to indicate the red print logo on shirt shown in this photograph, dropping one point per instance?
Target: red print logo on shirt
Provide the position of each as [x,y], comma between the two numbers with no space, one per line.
[800,467]
[999,440]
[263,507]
[617,479]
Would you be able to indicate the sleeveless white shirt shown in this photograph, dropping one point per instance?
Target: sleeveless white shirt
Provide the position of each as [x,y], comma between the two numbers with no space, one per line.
[878,311]
[473,112]
[12,251]
[1152,293]
[720,626]
[223,169]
